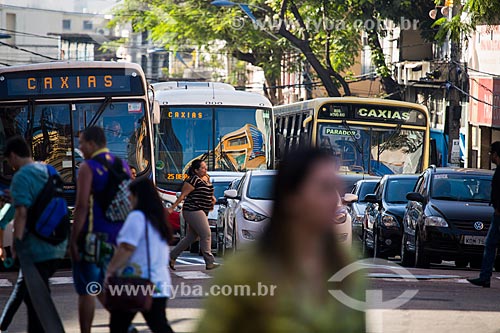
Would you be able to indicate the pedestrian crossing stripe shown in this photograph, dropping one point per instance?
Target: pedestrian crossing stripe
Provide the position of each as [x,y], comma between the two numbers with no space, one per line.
[5,283]
[61,280]
[192,275]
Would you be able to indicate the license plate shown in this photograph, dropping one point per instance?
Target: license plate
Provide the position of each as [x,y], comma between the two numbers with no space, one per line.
[474,240]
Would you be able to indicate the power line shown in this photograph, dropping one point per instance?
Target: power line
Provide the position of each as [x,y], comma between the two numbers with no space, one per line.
[451,85]
[476,70]
[27,34]
[28,51]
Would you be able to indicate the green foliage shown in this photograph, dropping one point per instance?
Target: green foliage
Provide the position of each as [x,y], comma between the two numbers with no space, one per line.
[467,17]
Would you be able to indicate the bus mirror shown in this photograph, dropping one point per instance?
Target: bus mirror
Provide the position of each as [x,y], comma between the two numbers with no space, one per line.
[156,113]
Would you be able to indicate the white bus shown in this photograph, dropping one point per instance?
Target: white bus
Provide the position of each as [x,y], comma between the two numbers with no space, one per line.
[231,130]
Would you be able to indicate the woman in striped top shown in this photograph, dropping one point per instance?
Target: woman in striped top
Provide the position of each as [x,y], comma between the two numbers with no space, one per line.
[198,195]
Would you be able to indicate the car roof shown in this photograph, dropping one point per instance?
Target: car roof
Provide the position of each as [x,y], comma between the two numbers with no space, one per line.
[401,176]
[223,179]
[261,172]
[371,180]
[225,174]
[468,171]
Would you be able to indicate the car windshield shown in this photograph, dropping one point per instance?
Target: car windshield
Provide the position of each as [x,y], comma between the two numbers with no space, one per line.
[366,188]
[396,190]
[219,188]
[261,187]
[54,130]
[459,187]
[228,139]
[374,150]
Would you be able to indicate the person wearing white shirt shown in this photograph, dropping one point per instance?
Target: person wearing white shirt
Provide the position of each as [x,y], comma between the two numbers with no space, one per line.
[130,259]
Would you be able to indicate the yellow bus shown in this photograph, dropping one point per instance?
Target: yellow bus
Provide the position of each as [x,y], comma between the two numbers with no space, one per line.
[368,135]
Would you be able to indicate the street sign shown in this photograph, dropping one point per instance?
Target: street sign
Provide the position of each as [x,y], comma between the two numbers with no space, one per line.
[455,152]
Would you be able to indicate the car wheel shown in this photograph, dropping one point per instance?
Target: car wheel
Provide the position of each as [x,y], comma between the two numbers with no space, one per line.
[407,258]
[497,264]
[421,259]
[476,263]
[221,244]
[366,252]
[233,245]
[461,263]
[376,246]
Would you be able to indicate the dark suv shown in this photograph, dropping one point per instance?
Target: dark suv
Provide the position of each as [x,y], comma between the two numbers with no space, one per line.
[447,217]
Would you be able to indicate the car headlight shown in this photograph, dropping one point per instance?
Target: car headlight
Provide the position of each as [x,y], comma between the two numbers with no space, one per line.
[168,204]
[389,221]
[435,221]
[340,215]
[250,215]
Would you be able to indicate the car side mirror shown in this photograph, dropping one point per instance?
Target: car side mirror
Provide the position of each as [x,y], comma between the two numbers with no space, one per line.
[221,201]
[415,196]
[156,113]
[231,194]
[371,198]
[349,198]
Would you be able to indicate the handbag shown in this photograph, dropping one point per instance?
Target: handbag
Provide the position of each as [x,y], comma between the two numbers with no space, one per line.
[141,299]
[95,248]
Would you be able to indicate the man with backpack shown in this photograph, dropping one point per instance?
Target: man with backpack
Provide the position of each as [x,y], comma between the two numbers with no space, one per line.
[41,226]
[101,208]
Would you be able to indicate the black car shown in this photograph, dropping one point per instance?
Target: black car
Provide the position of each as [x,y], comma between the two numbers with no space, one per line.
[382,225]
[357,209]
[349,180]
[447,218]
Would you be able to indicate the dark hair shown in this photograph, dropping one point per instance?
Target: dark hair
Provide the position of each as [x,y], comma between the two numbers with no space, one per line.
[149,202]
[95,134]
[195,165]
[495,147]
[294,170]
[17,145]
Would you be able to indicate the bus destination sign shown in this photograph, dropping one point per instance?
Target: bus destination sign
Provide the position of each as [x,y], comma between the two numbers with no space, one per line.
[367,112]
[49,85]
[58,84]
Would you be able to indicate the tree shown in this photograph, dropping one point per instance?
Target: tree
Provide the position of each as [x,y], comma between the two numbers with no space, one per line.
[197,23]
[476,12]
[324,34]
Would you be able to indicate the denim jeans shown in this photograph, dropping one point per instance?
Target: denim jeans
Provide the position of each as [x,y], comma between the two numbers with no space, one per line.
[490,248]
[14,302]
[46,270]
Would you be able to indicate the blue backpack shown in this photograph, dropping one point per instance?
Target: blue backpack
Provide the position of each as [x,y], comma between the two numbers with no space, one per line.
[48,217]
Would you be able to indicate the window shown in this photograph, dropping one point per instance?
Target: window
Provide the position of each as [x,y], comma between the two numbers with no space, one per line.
[66,24]
[10,24]
[87,25]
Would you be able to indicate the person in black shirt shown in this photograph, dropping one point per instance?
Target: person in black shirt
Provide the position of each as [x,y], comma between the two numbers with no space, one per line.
[198,195]
[490,246]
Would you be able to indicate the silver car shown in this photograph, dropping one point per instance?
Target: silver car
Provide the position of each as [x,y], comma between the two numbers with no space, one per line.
[251,208]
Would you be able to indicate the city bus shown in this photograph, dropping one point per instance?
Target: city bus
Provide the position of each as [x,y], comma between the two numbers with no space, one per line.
[231,130]
[50,103]
[366,135]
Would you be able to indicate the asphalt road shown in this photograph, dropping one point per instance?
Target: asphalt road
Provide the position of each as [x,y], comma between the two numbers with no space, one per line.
[444,301]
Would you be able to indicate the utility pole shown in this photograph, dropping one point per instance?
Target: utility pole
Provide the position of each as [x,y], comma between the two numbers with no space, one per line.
[454,109]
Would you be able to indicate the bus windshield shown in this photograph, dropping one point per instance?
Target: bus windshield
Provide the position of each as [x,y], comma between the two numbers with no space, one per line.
[375,150]
[227,138]
[53,131]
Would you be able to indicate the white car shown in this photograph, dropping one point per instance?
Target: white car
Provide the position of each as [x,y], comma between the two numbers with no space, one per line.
[251,211]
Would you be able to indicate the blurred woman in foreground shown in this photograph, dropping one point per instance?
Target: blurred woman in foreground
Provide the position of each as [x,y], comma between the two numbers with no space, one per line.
[294,259]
